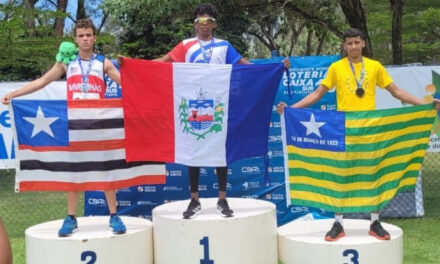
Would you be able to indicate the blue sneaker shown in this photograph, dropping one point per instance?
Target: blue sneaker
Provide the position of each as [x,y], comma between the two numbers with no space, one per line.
[69,226]
[117,225]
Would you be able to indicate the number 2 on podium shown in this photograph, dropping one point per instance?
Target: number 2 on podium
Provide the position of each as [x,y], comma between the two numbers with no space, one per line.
[205,243]
[87,254]
[354,256]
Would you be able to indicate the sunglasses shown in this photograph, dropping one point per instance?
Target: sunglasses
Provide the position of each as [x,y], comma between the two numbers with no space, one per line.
[202,20]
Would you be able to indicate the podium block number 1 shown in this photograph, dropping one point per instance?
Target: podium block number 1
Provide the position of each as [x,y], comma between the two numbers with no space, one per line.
[205,243]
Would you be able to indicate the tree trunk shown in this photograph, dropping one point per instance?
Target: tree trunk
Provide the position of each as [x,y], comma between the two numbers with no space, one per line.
[59,22]
[355,15]
[397,7]
[309,42]
[321,41]
[30,20]
[81,10]
[295,36]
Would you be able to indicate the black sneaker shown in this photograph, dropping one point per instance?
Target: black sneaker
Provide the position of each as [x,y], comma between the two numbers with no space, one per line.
[223,208]
[378,231]
[335,233]
[193,209]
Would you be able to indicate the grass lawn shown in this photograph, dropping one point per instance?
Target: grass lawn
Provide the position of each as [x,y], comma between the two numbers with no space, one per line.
[421,235]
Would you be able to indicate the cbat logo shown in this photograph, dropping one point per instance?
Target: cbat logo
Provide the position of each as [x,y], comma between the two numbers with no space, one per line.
[97,201]
[274,138]
[250,169]
[299,209]
[201,116]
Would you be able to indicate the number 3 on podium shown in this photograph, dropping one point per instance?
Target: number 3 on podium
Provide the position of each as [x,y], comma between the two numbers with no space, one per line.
[354,255]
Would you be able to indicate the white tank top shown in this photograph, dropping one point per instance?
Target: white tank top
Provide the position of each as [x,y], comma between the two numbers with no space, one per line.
[96,85]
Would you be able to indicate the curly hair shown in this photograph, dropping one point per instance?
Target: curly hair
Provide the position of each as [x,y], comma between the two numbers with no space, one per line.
[205,8]
[84,23]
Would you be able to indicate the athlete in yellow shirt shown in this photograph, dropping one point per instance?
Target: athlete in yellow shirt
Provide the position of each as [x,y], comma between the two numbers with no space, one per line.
[355,78]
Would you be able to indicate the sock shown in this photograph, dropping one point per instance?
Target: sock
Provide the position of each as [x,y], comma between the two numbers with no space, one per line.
[112,215]
[374,217]
[72,216]
[339,218]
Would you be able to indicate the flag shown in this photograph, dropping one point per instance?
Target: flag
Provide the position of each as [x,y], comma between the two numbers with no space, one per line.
[197,114]
[351,162]
[74,145]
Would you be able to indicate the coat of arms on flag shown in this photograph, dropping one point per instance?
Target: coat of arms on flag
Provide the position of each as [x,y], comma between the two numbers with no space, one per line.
[353,162]
[201,116]
[75,145]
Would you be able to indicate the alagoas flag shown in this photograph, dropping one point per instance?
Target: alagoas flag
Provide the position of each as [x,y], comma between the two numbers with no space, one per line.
[353,161]
[197,114]
[74,145]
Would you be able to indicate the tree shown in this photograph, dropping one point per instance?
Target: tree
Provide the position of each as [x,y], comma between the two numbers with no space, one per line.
[355,15]
[81,10]
[30,20]
[397,8]
[59,21]
[25,56]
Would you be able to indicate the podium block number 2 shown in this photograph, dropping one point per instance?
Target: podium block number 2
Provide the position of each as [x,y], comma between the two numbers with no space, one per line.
[85,257]
[205,243]
[353,254]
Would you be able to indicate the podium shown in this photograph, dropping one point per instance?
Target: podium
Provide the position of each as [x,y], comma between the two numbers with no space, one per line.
[92,243]
[250,237]
[302,242]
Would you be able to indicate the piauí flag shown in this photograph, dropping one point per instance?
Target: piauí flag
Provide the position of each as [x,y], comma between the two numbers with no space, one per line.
[75,145]
[197,114]
[353,161]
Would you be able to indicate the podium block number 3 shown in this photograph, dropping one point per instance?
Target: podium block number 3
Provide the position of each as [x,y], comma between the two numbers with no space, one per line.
[205,243]
[85,257]
[353,254]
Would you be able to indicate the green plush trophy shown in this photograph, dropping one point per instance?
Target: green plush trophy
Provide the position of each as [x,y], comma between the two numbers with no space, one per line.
[67,52]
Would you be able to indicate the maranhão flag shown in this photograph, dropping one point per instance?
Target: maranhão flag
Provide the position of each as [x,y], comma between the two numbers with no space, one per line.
[75,145]
[197,114]
[353,161]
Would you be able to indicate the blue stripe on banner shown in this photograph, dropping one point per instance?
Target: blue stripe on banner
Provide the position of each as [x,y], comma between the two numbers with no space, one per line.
[251,95]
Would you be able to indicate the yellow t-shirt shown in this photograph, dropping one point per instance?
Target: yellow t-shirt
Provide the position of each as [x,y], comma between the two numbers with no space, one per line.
[339,74]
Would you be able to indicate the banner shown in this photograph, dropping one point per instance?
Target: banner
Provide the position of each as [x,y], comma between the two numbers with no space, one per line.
[246,178]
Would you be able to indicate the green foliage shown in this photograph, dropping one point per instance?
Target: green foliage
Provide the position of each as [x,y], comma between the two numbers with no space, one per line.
[150,28]
[421,31]
[26,52]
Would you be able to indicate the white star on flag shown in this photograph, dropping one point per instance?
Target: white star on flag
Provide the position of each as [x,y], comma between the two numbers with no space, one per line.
[41,123]
[313,126]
